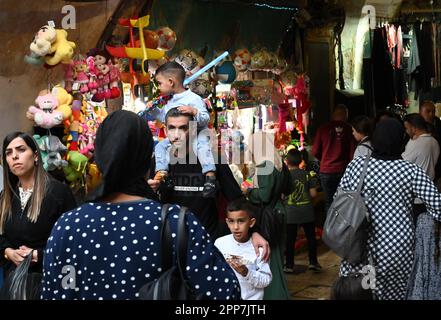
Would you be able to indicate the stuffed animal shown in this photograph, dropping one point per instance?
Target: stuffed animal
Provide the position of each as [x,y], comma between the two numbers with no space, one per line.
[76,168]
[64,101]
[43,40]
[51,149]
[93,177]
[44,114]
[62,49]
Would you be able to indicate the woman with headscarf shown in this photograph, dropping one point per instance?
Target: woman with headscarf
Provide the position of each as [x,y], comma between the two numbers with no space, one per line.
[389,188]
[111,245]
[270,181]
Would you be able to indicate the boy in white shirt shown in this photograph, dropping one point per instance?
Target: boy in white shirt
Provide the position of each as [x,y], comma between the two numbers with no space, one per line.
[253,274]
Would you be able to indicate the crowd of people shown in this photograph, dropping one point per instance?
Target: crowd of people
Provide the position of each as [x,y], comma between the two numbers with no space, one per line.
[108,247]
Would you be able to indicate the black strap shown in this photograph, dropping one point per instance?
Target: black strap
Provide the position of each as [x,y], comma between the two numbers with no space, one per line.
[182,238]
[363,174]
[166,240]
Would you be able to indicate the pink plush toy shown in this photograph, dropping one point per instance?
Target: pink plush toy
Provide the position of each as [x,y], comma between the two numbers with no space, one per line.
[81,75]
[44,113]
[103,83]
[114,75]
[93,84]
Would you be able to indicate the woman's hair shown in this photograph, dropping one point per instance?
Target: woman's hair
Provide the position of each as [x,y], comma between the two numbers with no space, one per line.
[10,181]
[363,125]
[417,121]
[123,153]
[388,140]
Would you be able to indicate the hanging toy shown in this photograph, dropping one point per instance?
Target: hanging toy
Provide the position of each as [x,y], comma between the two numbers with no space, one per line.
[80,75]
[44,114]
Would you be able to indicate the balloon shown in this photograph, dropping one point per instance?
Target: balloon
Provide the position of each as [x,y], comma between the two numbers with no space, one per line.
[167,38]
[151,39]
[242,59]
[190,61]
[225,72]
[259,60]
[201,87]
[208,66]
[272,61]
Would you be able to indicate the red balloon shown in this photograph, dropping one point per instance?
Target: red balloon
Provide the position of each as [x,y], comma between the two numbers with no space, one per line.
[151,39]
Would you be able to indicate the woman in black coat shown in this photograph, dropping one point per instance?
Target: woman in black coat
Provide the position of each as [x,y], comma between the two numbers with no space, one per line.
[30,203]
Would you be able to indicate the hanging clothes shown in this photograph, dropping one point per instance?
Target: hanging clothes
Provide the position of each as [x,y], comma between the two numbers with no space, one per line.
[422,62]
[383,78]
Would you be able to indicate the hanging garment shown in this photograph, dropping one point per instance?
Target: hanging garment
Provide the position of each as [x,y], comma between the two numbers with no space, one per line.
[382,71]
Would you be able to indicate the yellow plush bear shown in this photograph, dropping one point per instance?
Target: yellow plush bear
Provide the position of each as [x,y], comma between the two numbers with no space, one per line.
[62,49]
[64,101]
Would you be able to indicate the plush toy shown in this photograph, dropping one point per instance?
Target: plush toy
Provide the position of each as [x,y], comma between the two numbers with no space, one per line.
[43,40]
[62,49]
[103,91]
[64,101]
[114,75]
[76,167]
[87,138]
[93,84]
[34,59]
[73,124]
[51,149]
[44,114]
[93,177]
[80,74]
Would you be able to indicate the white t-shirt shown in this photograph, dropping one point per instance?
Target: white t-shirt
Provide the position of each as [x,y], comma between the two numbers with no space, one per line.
[259,274]
[424,152]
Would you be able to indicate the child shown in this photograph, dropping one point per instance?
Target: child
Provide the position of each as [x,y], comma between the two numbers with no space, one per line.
[300,211]
[170,77]
[253,274]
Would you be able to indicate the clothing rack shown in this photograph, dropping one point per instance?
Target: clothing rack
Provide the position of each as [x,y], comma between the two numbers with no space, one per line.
[412,11]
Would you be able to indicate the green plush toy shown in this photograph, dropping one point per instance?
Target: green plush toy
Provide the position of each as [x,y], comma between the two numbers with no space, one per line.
[76,168]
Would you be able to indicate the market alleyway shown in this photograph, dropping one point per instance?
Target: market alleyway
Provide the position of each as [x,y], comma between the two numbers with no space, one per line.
[307,285]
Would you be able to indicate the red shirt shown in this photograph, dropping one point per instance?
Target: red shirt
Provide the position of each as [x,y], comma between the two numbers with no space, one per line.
[334,146]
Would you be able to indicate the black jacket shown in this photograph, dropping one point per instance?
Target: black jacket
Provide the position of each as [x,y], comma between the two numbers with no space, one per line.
[19,230]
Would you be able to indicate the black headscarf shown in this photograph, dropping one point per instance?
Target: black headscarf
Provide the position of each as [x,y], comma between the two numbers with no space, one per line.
[388,140]
[123,154]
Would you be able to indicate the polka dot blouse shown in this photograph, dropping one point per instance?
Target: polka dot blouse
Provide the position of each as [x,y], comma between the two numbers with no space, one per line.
[104,251]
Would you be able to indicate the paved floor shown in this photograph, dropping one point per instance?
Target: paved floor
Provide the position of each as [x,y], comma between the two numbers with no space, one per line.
[308,285]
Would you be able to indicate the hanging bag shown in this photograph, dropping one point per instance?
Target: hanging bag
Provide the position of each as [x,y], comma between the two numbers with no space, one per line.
[22,284]
[345,228]
[172,284]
